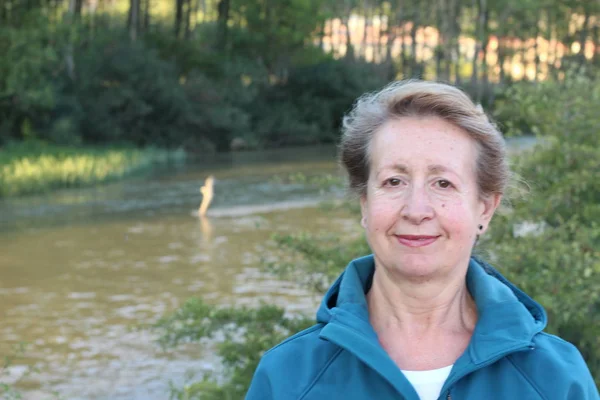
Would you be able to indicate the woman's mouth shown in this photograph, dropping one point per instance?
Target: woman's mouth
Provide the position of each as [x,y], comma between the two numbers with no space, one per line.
[416,240]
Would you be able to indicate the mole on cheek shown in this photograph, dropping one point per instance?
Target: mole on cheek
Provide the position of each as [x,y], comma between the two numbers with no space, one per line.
[443,205]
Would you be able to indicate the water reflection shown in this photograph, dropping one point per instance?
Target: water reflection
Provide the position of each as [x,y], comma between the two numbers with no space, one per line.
[206,228]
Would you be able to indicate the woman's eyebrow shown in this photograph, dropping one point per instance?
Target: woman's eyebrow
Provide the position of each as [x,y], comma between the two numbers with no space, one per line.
[402,168]
[437,168]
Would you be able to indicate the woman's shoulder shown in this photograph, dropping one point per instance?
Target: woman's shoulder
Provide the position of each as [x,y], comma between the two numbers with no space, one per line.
[555,367]
[305,348]
[288,369]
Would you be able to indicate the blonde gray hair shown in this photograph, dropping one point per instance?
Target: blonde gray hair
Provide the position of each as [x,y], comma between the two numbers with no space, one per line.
[414,98]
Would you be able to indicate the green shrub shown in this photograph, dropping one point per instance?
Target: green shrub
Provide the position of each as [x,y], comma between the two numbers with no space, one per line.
[308,106]
[559,262]
[28,66]
[246,333]
[128,94]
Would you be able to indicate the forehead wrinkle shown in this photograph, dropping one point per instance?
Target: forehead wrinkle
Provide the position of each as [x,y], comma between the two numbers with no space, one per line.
[405,169]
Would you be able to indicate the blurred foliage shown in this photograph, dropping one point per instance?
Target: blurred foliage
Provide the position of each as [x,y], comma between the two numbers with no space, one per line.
[244,333]
[556,260]
[261,73]
[171,93]
[308,107]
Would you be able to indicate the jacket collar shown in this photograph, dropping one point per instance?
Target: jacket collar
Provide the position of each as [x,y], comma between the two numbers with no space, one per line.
[507,319]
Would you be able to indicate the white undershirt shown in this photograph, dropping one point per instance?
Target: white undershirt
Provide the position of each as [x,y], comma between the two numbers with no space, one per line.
[428,384]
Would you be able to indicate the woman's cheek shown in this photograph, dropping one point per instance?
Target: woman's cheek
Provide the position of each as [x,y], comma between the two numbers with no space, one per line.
[384,211]
[455,216]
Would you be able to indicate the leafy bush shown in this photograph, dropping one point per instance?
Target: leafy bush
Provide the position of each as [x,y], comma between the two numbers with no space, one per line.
[559,262]
[307,107]
[128,94]
[167,92]
[246,334]
[120,91]
[29,63]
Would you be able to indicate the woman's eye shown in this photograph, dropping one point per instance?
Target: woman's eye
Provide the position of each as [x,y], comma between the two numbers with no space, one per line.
[444,184]
[393,182]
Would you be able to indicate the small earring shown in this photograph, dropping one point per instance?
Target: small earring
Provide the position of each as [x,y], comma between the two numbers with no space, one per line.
[480,227]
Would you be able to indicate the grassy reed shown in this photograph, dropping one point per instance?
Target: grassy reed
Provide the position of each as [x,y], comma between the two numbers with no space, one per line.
[37,168]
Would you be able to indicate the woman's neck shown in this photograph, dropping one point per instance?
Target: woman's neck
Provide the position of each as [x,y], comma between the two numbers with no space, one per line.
[412,317]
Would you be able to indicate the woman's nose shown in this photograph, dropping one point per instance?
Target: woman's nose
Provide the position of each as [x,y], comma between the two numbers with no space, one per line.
[417,206]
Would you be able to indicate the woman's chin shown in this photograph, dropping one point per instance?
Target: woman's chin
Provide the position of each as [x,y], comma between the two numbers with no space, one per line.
[418,266]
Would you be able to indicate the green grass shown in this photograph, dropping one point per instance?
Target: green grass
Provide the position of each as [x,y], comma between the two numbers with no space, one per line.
[29,168]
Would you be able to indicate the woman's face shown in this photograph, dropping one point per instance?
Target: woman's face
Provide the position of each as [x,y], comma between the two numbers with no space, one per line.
[422,208]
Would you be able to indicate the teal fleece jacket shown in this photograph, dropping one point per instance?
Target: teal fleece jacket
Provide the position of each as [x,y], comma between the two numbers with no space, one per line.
[508,358]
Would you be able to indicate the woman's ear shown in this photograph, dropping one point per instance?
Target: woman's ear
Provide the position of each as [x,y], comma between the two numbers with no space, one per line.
[363,210]
[489,206]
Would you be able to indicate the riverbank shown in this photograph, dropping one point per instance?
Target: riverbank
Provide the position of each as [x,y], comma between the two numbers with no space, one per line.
[36,168]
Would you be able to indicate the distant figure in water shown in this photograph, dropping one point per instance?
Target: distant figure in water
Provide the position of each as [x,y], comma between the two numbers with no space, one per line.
[207,195]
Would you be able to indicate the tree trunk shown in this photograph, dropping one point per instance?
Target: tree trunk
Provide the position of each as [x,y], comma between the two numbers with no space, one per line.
[69,59]
[442,30]
[404,51]
[475,62]
[147,7]
[485,43]
[536,33]
[596,44]
[391,37]
[134,12]
[524,60]
[188,19]
[456,31]
[222,21]
[379,40]
[363,44]
[349,48]
[178,16]
[453,13]
[413,35]
[78,7]
[583,34]
[501,59]
[3,13]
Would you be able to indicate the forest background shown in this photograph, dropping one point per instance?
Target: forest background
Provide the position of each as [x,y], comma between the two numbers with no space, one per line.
[92,90]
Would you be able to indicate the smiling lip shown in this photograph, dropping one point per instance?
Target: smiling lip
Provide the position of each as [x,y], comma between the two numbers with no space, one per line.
[416,240]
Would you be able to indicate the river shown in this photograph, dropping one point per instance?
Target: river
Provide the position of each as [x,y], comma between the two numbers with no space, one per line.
[81,267]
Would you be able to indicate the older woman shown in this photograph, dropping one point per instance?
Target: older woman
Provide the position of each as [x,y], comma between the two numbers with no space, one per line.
[420,318]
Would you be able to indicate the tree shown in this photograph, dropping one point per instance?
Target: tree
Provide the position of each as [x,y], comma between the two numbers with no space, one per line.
[133,21]
[223,20]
